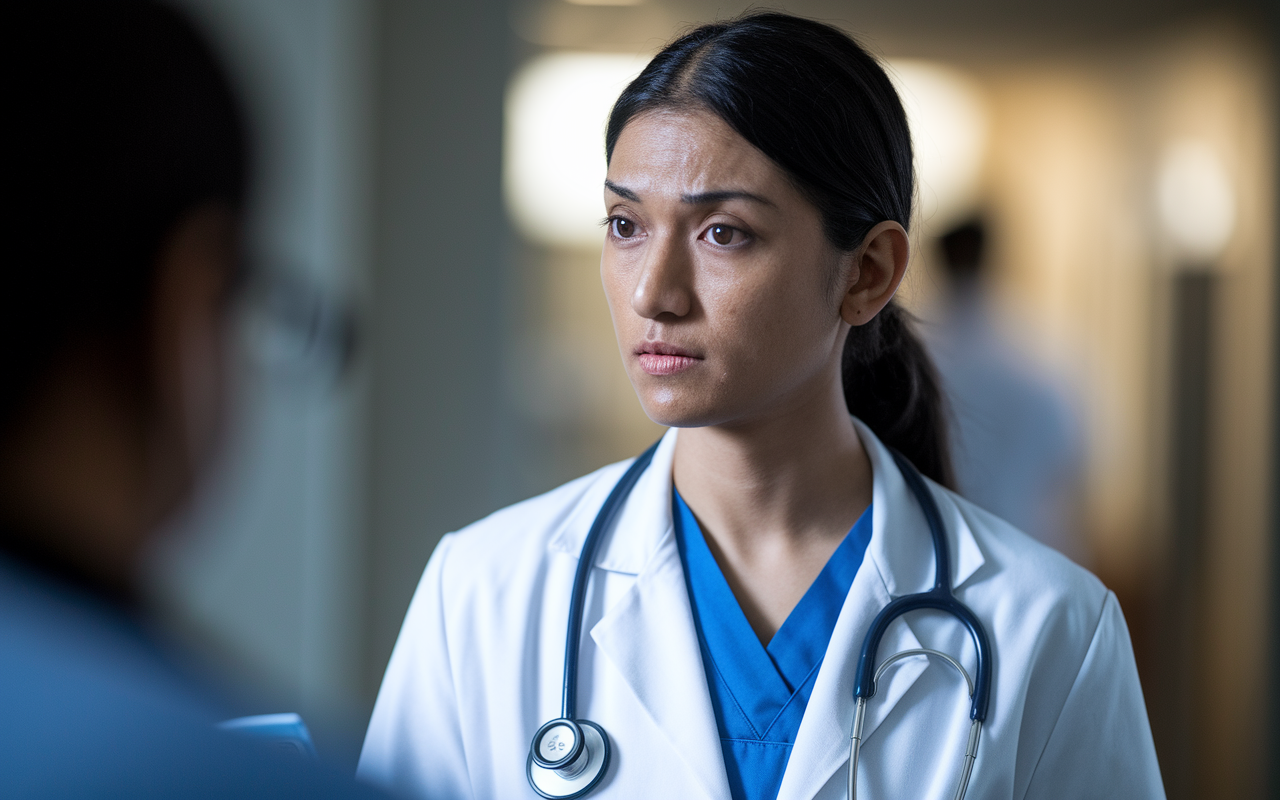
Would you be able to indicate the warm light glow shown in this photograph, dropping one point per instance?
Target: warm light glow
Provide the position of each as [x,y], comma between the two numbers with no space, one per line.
[554,169]
[1196,200]
[556,111]
[604,2]
[948,121]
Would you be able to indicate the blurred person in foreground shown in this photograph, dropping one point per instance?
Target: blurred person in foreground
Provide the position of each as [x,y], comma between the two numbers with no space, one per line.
[1016,440]
[125,175]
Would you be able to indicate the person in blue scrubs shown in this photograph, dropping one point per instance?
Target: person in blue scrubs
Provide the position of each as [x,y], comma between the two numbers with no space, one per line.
[126,174]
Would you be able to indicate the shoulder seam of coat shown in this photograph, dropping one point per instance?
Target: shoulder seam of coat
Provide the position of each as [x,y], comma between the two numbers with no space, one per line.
[1108,598]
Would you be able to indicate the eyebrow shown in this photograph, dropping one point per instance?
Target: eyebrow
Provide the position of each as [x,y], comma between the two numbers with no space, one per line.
[621,191]
[700,198]
[721,196]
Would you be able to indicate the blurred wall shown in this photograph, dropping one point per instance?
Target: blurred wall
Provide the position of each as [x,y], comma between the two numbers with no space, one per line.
[441,304]
[1094,274]
[267,570]
[379,131]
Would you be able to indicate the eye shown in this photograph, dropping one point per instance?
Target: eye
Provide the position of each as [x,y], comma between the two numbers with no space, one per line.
[724,235]
[622,227]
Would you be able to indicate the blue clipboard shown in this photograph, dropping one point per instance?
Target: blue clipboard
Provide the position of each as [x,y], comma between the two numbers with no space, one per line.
[286,733]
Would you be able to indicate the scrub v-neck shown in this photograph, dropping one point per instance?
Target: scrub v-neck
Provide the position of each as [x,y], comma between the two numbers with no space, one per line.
[760,693]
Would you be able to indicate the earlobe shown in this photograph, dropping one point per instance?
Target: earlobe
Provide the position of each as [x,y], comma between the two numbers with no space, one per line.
[880,264]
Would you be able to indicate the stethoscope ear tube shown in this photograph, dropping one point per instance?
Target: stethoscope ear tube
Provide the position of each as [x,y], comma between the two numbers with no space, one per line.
[865,682]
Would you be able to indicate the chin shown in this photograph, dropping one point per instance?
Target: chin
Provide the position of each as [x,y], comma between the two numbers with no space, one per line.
[675,409]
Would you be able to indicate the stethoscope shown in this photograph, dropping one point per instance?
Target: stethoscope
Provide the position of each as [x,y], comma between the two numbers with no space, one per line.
[569,756]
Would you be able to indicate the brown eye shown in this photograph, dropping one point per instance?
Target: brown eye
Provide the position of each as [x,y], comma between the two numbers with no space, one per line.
[623,228]
[721,234]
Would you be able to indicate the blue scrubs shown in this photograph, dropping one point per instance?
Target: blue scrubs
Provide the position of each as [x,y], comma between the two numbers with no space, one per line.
[760,692]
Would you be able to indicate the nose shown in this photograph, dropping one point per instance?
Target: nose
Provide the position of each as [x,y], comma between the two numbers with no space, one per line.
[665,281]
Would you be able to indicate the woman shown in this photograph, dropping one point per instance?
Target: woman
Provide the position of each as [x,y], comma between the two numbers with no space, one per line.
[759,191]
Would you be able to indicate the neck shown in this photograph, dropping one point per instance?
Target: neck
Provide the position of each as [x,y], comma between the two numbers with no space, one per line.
[797,474]
[73,478]
[775,497]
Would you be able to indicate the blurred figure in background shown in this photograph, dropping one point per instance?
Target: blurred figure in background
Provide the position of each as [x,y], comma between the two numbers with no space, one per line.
[1016,442]
[126,176]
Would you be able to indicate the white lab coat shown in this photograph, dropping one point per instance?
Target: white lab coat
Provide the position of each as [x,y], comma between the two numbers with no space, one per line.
[478,665]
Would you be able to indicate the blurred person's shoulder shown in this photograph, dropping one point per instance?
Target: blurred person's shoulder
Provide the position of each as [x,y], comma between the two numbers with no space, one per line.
[65,652]
[91,705]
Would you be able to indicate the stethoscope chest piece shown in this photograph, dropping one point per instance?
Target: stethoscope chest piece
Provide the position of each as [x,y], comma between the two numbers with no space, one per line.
[567,758]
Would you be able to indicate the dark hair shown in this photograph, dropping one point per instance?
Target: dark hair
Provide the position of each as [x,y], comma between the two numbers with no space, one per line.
[812,100]
[962,250]
[121,122]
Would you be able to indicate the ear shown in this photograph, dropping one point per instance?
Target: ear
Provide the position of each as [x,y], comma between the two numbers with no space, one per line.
[878,268]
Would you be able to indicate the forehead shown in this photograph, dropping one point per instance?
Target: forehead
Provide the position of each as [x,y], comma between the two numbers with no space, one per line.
[682,153]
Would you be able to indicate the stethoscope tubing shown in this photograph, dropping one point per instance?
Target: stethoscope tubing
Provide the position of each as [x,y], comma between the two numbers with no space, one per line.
[859,717]
[939,598]
[612,505]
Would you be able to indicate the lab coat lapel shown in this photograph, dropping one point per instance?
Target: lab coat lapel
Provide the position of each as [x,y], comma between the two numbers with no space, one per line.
[904,557]
[649,634]
[899,561]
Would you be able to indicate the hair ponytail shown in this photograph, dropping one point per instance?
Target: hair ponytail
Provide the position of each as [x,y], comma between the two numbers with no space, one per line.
[823,109]
[891,385]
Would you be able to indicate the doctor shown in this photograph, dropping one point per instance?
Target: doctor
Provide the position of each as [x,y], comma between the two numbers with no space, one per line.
[758,196]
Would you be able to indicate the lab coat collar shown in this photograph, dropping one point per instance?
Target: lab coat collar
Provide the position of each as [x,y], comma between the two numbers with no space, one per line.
[901,554]
[645,518]
[651,627]
[651,639]
[896,557]
[901,547]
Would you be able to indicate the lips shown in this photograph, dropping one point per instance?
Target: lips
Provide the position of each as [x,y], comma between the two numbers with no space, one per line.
[660,358]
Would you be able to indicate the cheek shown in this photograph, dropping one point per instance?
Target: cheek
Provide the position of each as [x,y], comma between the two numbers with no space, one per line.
[618,288]
[773,328]
[204,387]
[609,281]
[775,341]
